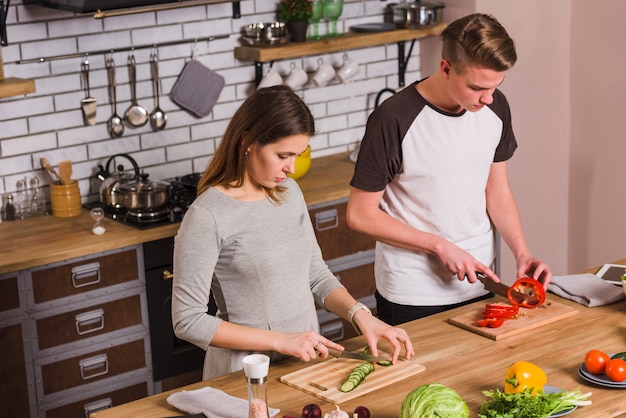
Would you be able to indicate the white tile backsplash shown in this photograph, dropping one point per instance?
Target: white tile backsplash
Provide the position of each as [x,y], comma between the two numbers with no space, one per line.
[49,122]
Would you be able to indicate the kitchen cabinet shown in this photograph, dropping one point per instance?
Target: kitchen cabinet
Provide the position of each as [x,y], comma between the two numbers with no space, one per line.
[348,40]
[77,335]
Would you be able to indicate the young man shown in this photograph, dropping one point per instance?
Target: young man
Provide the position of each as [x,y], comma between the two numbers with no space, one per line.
[430,182]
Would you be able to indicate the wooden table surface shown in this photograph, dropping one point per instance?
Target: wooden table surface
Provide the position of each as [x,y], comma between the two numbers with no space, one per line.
[467,362]
[46,239]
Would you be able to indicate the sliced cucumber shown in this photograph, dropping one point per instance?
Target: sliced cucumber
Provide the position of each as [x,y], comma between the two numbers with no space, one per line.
[356,377]
[384,363]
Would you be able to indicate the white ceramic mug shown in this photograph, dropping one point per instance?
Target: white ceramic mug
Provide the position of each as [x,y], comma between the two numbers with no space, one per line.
[272,78]
[349,69]
[296,78]
[324,73]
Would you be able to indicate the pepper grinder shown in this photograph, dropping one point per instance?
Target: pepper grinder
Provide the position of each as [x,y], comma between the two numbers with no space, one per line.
[256,367]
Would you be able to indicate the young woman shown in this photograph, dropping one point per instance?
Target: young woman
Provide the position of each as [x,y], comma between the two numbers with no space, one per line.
[248,240]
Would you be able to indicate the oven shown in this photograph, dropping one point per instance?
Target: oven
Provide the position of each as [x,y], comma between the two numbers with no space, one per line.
[171,356]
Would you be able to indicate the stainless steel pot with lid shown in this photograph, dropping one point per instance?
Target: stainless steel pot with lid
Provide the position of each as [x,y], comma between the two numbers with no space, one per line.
[142,193]
[417,15]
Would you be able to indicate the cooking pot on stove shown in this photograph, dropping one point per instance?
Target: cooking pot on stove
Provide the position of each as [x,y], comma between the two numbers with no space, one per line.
[110,193]
[417,15]
[141,193]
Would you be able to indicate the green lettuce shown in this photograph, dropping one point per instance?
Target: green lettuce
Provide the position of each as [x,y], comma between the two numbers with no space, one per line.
[433,400]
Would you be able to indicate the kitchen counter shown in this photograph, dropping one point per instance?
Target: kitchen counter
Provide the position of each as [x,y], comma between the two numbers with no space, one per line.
[462,360]
[45,239]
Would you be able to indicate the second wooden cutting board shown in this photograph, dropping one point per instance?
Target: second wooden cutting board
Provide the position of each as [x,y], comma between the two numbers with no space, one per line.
[526,320]
[323,379]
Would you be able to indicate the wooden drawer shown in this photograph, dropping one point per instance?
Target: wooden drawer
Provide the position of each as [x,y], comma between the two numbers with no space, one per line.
[92,367]
[81,276]
[76,324]
[358,280]
[332,232]
[89,405]
[9,293]
[14,381]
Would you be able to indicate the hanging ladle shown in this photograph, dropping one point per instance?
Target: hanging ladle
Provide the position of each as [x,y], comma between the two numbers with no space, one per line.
[115,123]
[158,118]
[136,115]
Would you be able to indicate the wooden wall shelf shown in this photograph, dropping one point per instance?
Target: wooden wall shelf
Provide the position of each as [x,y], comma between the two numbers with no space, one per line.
[349,40]
[12,86]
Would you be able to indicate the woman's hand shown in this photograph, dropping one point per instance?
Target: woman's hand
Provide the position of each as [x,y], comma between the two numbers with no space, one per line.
[305,345]
[374,330]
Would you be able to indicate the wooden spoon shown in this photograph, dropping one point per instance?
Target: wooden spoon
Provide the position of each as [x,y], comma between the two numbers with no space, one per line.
[65,172]
[45,164]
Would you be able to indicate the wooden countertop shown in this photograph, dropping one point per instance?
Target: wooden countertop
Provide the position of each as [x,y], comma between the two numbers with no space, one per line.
[45,239]
[462,360]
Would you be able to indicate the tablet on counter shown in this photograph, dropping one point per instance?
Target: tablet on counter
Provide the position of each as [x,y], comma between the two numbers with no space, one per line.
[612,273]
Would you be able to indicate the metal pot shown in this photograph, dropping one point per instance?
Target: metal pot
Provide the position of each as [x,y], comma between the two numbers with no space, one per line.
[417,15]
[110,193]
[144,194]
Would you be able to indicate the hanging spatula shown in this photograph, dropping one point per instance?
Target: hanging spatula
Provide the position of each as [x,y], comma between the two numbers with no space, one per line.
[88,104]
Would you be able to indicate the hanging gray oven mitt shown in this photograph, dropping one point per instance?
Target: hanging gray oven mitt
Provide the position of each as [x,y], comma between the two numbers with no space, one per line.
[197,89]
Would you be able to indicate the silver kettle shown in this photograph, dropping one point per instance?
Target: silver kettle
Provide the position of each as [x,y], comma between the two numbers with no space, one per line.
[110,192]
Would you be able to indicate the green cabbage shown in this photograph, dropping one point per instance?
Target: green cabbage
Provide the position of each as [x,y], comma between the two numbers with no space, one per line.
[433,400]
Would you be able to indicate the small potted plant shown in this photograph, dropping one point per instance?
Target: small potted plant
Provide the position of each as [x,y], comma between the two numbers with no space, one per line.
[296,15]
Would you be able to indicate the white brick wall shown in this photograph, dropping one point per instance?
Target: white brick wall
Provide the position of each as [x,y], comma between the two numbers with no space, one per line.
[49,122]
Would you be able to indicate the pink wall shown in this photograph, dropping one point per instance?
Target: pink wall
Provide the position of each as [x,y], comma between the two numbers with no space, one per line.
[566,93]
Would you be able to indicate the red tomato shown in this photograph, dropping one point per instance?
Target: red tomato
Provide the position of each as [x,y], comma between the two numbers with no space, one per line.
[616,370]
[595,361]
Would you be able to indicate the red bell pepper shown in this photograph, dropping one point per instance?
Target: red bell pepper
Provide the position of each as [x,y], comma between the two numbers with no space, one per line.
[527,293]
[491,322]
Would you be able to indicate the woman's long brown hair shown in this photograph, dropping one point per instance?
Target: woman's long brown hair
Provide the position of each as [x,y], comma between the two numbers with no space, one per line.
[265,117]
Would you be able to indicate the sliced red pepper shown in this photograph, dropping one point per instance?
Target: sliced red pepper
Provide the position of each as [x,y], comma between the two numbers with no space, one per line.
[501,306]
[486,314]
[527,293]
[491,323]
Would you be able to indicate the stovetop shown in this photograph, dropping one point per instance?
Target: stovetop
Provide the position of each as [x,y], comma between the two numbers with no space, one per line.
[181,194]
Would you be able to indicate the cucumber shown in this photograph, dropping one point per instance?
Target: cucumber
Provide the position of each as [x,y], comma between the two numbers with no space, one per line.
[621,355]
[356,377]
[383,363]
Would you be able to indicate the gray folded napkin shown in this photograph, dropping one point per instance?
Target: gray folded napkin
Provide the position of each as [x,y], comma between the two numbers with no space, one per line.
[212,402]
[586,289]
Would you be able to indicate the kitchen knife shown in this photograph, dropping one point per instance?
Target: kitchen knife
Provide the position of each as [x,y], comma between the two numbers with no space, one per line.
[357,356]
[501,289]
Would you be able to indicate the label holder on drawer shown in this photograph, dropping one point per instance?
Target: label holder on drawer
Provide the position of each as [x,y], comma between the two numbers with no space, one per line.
[327,219]
[86,275]
[84,321]
[94,366]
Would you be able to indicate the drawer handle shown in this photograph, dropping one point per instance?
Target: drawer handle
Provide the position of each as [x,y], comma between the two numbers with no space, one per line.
[327,219]
[332,331]
[98,405]
[167,275]
[94,366]
[90,322]
[86,275]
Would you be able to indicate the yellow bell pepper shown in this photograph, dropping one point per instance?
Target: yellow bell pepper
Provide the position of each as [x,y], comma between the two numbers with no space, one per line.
[524,375]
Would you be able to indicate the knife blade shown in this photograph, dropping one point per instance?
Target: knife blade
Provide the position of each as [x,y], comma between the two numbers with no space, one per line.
[501,289]
[357,356]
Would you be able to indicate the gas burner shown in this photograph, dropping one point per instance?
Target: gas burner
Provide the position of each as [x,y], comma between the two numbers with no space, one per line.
[182,194]
[149,215]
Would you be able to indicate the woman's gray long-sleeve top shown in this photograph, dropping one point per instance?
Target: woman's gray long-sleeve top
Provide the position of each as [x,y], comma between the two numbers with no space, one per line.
[260,260]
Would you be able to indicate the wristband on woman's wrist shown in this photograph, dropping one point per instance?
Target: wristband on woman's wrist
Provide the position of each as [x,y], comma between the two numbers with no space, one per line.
[351,313]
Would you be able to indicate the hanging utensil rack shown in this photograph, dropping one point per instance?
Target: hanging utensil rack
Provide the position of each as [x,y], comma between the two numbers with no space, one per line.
[130,48]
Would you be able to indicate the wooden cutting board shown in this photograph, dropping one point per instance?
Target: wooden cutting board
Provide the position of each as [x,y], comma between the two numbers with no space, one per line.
[527,319]
[323,379]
